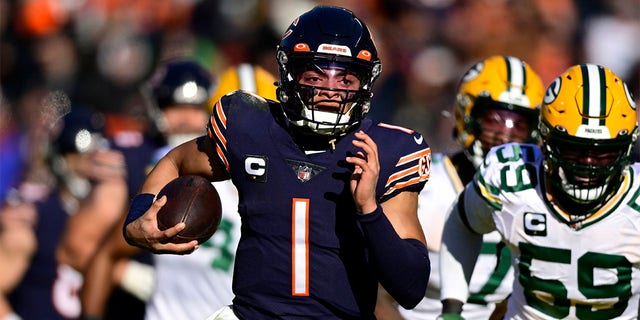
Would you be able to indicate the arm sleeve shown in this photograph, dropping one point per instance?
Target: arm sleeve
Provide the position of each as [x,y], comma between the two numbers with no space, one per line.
[461,244]
[403,264]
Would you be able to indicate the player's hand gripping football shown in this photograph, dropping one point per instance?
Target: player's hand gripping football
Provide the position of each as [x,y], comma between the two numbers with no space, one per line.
[365,174]
[144,233]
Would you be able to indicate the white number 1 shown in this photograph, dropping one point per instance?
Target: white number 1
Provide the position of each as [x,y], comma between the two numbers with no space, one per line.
[300,247]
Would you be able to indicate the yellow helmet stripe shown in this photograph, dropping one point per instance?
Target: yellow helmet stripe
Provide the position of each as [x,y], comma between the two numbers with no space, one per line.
[595,100]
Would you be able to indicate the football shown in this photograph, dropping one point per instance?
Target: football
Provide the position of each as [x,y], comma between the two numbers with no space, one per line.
[194,201]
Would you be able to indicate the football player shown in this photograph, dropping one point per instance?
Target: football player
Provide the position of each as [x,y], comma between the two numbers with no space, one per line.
[180,287]
[568,211]
[328,198]
[497,101]
[244,76]
[192,286]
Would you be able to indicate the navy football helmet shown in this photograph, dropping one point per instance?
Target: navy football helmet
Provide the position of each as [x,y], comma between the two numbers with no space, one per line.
[182,83]
[176,83]
[78,131]
[321,39]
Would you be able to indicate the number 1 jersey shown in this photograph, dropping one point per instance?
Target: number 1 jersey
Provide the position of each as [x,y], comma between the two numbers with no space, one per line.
[301,252]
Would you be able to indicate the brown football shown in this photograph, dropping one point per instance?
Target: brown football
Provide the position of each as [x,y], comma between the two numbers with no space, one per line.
[194,201]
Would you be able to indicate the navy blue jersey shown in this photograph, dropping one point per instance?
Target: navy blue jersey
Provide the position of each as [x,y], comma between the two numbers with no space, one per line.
[48,290]
[301,252]
[137,158]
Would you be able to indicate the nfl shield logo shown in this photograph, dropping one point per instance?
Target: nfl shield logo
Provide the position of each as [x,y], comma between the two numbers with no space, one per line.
[304,173]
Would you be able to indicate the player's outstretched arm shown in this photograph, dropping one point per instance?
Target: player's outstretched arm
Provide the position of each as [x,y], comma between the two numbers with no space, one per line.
[141,226]
[392,229]
[458,255]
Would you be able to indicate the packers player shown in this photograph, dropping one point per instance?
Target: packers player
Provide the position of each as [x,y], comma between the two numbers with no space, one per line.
[498,100]
[568,211]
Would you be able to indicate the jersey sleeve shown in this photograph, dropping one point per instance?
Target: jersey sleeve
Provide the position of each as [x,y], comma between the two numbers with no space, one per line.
[475,211]
[217,129]
[405,159]
[229,107]
[505,170]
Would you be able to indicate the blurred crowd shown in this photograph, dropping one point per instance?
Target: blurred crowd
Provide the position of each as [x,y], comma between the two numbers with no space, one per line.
[58,55]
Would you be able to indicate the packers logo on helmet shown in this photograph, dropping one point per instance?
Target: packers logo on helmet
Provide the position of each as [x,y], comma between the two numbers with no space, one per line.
[589,101]
[552,92]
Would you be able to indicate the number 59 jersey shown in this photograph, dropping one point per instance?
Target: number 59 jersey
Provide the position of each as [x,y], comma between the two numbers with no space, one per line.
[301,252]
[563,271]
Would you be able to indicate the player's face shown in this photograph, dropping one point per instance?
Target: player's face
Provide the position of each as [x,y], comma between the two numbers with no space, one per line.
[500,126]
[332,87]
[599,159]
[184,119]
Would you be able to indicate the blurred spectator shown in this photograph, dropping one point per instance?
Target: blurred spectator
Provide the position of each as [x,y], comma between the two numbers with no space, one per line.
[478,29]
[38,281]
[558,46]
[429,90]
[611,37]
[96,53]
[11,151]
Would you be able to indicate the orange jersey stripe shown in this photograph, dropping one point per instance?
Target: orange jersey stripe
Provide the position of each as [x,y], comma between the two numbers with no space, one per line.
[403,185]
[222,156]
[221,138]
[220,113]
[413,156]
[390,126]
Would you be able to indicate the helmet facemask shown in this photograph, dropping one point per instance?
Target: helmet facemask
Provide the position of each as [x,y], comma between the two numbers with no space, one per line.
[314,106]
[585,173]
[493,123]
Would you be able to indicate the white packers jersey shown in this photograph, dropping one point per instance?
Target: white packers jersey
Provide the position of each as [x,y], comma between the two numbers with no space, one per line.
[489,283]
[193,286]
[589,271]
